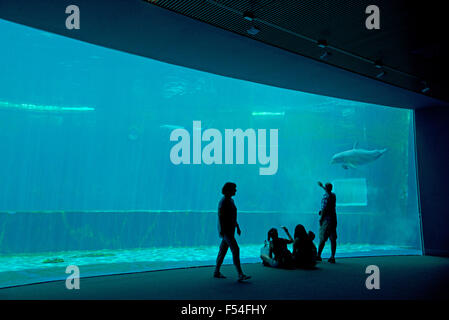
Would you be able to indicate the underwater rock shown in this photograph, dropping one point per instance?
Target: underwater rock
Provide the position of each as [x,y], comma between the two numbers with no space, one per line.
[53,260]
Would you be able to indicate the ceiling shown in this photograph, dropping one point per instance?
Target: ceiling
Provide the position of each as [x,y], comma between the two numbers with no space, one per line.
[276,56]
[410,43]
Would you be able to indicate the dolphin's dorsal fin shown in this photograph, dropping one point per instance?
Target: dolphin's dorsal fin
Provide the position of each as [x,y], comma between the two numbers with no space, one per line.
[355,145]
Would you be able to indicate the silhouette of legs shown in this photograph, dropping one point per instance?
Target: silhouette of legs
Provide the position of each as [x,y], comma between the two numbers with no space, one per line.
[330,233]
[320,248]
[333,249]
[221,255]
[265,256]
[228,242]
[267,261]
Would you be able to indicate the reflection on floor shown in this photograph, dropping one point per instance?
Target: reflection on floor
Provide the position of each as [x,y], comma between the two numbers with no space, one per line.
[40,267]
[401,277]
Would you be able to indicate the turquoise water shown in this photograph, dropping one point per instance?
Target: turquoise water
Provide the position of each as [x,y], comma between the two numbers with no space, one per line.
[115,162]
[156,256]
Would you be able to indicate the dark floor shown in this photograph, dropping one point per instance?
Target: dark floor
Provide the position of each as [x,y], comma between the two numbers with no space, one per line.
[401,277]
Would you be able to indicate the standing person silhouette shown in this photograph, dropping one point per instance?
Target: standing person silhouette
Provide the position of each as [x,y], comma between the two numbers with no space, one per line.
[328,221]
[227,223]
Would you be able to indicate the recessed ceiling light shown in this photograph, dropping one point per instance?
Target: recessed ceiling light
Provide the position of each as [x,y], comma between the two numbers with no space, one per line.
[378,64]
[248,16]
[325,55]
[322,43]
[381,74]
[253,31]
[426,87]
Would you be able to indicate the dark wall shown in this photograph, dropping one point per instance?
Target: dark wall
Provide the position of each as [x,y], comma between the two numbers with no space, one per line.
[432,141]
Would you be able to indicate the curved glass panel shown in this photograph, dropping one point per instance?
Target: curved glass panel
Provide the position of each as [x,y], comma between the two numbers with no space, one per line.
[89,175]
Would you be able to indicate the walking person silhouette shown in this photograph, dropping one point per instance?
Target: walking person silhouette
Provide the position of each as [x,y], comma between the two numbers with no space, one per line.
[227,224]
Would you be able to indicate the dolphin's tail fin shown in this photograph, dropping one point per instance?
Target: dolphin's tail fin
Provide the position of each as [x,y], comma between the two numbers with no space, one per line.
[382,151]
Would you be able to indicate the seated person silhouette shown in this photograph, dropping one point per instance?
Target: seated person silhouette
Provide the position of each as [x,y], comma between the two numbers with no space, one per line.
[275,253]
[304,250]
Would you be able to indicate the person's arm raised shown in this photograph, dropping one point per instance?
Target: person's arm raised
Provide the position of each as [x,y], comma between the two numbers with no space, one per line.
[321,185]
[290,239]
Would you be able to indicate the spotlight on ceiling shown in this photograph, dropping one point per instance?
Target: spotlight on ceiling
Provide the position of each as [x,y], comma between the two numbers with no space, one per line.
[426,87]
[248,16]
[378,64]
[253,31]
[380,74]
[325,55]
[322,43]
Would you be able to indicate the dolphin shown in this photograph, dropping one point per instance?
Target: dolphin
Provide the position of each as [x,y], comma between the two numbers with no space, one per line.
[355,157]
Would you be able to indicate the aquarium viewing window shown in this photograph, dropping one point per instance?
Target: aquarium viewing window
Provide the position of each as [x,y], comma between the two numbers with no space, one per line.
[351,192]
[87,176]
